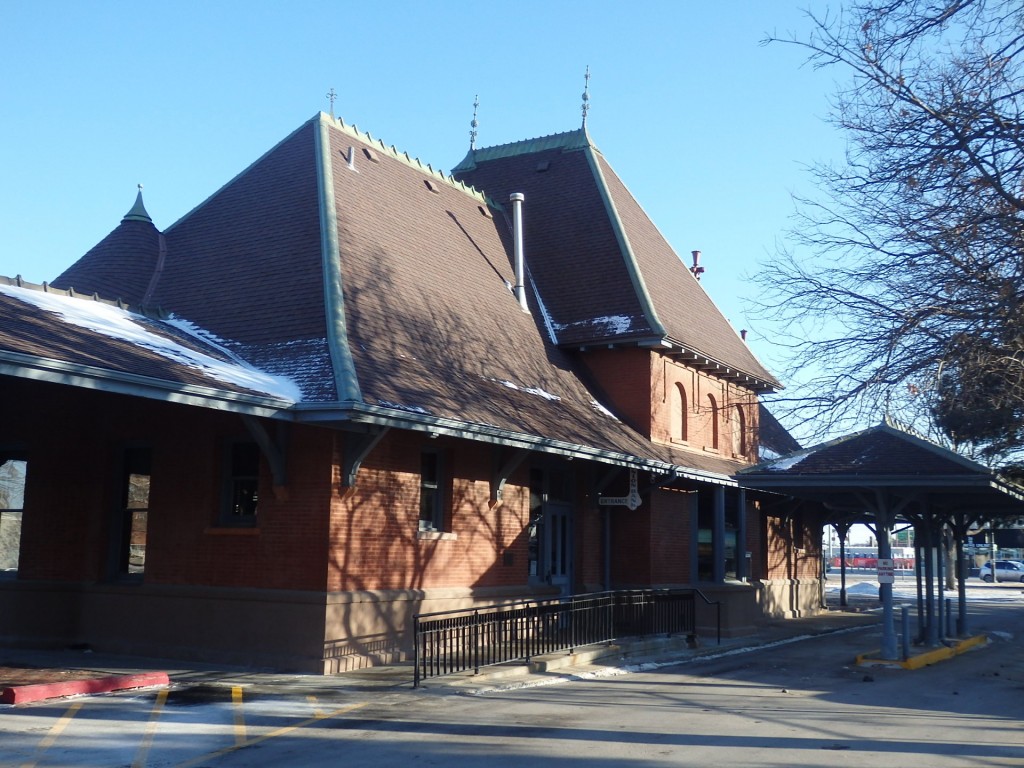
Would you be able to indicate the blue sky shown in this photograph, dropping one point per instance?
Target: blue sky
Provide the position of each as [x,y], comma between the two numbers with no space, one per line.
[709,129]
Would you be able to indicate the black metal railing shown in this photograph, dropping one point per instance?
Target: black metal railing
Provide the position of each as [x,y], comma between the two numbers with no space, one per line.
[456,641]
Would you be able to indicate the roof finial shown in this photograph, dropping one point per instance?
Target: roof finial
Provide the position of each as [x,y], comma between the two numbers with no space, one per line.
[586,95]
[473,125]
[138,211]
[331,96]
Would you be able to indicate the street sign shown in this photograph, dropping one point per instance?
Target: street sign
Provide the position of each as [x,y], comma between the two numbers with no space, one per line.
[886,572]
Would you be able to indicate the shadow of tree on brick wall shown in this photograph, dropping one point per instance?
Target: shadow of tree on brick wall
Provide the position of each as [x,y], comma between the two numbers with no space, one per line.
[383,570]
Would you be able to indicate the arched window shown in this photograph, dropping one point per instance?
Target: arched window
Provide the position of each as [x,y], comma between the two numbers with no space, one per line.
[713,413]
[739,437]
[678,413]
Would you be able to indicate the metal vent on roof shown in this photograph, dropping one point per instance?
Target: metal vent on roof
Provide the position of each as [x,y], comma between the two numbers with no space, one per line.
[371,155]
[485,211]
[543,165]
[431,186]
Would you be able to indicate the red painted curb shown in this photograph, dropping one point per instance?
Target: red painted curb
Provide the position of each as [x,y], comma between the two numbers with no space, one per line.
[23,694]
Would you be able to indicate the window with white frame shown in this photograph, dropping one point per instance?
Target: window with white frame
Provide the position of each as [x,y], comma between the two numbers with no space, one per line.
[13,472]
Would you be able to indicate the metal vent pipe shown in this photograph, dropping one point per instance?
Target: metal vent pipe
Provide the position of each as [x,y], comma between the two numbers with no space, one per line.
[517,198]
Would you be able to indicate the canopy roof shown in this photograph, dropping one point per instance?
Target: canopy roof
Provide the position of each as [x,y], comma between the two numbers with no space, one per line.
[886,467]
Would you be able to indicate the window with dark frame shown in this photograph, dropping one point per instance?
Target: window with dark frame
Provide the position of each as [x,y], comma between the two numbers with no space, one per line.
[431,492]
[241,484]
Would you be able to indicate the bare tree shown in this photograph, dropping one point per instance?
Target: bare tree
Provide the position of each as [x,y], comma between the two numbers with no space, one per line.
[901,288]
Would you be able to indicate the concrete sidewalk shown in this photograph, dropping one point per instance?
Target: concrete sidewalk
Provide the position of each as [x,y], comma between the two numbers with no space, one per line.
[35,675]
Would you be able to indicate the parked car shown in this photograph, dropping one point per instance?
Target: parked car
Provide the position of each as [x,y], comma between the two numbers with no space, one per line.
[1006,570]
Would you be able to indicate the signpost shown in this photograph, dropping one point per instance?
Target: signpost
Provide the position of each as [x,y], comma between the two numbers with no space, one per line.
[632,501]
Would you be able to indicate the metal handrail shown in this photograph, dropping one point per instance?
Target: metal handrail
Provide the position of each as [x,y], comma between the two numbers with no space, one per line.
[446,642]
[718,613]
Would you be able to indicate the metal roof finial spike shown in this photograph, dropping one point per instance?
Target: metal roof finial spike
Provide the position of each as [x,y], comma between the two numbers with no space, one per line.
[138,211]
[331,96]
[586,95]
[473,125]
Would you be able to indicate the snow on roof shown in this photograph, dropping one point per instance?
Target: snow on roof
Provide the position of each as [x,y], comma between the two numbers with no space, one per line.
[540,392]
[117,323]
[615,325]
[789,462]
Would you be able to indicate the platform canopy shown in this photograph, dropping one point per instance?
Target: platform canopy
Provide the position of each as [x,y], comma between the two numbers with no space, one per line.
[886,467]
[886,474]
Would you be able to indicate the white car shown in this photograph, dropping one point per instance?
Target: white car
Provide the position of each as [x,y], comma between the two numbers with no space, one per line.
[1006,570]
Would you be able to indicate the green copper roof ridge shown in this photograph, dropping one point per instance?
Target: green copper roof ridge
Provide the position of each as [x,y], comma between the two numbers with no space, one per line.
[151,313]
[343,365]
[402,157]
[626,248]
[577,139]
[138,211]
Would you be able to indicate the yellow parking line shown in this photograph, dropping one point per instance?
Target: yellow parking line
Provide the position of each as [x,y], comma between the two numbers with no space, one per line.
[147,740]
[273,734]
[317,712]
[236,699]
[56,731]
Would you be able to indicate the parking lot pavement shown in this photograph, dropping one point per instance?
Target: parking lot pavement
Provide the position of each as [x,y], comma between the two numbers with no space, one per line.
[82,672]
[793,690]
[28,676]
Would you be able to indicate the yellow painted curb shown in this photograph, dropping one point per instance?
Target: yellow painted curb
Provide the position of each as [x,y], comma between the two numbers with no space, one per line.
[924,659]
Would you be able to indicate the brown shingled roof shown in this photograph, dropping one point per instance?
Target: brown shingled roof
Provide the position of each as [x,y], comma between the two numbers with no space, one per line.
[120,265]
[376,282]
[884,450]
[604,271]
[75,337]
[886,466]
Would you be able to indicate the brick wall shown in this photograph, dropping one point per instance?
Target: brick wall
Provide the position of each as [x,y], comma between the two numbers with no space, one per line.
[72,492]
[680,392]
[670,537]
[374,537]
[793,546]
[654,392]
[624,377]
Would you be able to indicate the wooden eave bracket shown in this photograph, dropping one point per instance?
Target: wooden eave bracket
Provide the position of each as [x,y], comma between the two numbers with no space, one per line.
[274,449]
[660,481]
[357,448]
[505,465]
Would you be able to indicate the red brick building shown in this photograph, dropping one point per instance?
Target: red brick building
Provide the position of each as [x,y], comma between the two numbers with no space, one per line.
[343,389]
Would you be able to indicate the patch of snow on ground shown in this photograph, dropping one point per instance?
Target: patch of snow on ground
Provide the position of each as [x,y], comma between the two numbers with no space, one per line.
[863,588]
[906,589]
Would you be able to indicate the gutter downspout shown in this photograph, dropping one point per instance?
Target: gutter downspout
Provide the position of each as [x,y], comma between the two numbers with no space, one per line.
[517,198]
